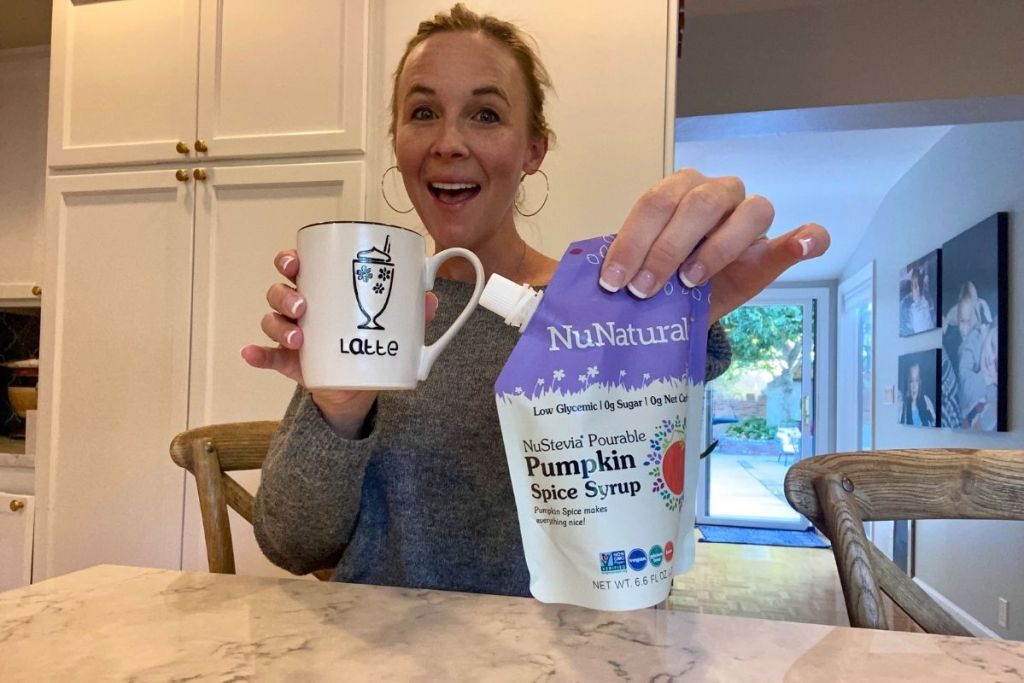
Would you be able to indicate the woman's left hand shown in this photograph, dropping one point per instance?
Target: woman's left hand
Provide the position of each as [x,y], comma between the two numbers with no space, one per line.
[688,209]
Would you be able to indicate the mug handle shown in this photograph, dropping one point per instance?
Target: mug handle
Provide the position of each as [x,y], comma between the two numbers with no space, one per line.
[430,353]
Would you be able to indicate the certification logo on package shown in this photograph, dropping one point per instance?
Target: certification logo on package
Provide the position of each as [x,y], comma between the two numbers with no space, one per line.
[637,559]
[613,562]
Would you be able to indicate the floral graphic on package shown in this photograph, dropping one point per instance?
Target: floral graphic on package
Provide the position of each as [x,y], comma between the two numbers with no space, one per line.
[666,461]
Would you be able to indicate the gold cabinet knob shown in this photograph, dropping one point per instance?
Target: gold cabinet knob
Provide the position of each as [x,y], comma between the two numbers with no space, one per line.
[17,505]
[199,174]
[181,147]
[37,290]
[181,174]
[201,146]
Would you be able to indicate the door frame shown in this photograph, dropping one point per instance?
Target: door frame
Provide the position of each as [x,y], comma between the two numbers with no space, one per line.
[822,376]
[853,291]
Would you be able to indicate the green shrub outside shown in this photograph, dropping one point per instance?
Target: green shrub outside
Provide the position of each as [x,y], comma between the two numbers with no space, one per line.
[752,428]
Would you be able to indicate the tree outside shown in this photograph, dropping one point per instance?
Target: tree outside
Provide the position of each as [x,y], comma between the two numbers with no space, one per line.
[761,388]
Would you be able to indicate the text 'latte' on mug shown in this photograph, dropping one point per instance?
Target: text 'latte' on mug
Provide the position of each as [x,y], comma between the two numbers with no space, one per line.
[364,285]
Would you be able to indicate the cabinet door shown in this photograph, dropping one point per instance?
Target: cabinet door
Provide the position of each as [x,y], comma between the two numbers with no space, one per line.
[122,81]
[114,371]
[24,75]
[16,514]
[281,79]
[244,216]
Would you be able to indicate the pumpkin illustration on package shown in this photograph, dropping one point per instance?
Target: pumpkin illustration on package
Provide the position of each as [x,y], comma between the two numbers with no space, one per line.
[672,470]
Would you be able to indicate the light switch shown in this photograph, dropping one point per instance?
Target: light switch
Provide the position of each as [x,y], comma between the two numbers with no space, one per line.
[890,396]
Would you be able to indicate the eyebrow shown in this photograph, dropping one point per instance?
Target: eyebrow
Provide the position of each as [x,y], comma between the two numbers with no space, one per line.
[491,90]
[418,89]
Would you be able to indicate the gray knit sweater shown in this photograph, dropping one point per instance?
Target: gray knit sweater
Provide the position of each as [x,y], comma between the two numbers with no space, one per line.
[424,500]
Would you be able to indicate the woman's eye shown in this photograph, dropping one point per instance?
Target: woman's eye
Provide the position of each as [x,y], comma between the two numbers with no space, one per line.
[422,114]
[487,116]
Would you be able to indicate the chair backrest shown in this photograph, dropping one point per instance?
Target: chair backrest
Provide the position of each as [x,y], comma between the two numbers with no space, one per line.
[839,492]
[209,453]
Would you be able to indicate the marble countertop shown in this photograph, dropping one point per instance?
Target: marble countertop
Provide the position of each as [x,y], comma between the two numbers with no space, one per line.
[123,623]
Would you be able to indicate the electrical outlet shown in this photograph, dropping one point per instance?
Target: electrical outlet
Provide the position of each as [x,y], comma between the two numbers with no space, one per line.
[1004,608]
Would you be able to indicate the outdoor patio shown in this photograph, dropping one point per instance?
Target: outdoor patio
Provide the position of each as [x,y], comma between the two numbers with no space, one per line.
[749,485]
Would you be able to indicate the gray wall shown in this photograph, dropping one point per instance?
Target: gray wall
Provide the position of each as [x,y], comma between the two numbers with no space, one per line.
[973,172]
[757,55]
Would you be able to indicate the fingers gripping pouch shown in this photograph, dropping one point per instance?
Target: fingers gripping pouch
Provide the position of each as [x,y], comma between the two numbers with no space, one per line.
[594,404]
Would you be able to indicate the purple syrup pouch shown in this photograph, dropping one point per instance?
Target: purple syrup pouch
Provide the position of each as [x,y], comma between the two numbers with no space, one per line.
[594,404]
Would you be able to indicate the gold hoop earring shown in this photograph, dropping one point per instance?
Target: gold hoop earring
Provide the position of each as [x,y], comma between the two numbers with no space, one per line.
[384,193]
[547,192]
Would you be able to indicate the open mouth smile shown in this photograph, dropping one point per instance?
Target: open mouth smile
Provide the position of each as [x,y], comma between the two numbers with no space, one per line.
[453,193]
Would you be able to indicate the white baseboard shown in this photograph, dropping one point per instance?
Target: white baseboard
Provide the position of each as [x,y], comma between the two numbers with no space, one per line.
[966,620]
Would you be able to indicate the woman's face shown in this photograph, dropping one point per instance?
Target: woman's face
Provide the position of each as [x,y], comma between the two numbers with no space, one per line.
[914,381]
[462,136]
[915,287]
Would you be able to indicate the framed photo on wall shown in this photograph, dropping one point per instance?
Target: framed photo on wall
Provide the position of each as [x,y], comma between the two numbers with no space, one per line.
[975,297]
[920,294]
[920,405]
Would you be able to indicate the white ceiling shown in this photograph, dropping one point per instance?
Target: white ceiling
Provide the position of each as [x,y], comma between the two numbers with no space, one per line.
[837,179]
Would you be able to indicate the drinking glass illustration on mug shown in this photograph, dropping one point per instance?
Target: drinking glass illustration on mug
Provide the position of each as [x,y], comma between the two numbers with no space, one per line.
[372,276]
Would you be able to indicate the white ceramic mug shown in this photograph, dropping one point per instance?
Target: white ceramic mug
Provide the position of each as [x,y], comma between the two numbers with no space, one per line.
[364,285]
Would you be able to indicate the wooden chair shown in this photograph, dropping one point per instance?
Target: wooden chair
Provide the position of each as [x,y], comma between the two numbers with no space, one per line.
[840,492]
[209,453]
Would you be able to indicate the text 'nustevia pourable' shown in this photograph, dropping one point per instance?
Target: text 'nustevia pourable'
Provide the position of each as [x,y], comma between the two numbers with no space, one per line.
[594,405]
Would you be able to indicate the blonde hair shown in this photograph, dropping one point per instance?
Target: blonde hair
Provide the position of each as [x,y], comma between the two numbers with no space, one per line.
[517,41]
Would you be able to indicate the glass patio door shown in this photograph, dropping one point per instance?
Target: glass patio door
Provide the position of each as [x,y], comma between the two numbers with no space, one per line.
[762,412]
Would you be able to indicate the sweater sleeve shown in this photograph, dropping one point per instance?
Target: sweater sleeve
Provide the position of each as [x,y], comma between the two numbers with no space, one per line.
[719,352]
[307,503]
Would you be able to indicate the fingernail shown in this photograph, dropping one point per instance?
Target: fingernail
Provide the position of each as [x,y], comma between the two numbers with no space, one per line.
[805,245]
[286,261]
[692,273]
[642,285]
[288,338]
[295,305]
[612,278]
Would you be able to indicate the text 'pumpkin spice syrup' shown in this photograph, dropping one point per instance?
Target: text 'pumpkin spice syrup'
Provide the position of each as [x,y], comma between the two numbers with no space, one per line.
[594,404]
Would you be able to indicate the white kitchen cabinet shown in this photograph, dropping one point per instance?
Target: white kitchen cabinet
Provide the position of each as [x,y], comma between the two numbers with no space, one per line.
[156,284]
[280,79]
[250,78]
[116,328]
[122,81]
[24,74]
[16,518]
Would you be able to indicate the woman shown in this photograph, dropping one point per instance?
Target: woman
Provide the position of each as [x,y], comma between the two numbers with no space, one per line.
[412,488]
[916,311]
[918,409]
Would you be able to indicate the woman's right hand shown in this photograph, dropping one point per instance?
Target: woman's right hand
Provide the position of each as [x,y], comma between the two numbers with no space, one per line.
[344,410]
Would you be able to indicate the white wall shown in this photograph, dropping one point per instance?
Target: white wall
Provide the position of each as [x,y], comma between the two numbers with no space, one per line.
[756,55]
[973,172]
[24,83]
